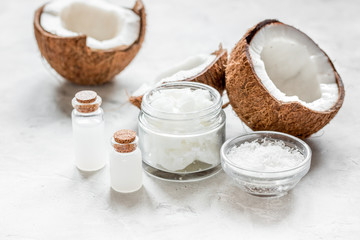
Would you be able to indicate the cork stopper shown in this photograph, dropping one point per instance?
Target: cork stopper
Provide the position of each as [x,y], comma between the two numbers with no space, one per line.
[125,141]
[86,101]
[86,96]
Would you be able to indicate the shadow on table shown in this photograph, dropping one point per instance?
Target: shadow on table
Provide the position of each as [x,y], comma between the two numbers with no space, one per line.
[86,175]
[219,192]
[127,200]
[189,191]
[316,158]
[261,210]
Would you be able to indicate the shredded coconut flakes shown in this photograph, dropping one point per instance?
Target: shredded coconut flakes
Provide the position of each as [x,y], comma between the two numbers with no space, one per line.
[266,155]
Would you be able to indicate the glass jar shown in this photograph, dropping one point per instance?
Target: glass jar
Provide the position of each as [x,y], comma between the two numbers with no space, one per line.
[181,146]
[125,162]
[88,131]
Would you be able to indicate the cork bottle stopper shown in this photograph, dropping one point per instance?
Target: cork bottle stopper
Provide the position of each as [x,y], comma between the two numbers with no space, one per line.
[124,138]
[85,98]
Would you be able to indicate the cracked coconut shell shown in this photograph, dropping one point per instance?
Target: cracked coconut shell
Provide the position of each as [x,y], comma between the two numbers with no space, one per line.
[213,75]
[258,109]
[76,62]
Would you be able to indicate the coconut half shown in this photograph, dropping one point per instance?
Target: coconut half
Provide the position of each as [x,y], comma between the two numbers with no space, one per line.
[88,42]
[278,79]
[204,68]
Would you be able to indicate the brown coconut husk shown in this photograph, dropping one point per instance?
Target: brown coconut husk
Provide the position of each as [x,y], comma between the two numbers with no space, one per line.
[213,75]
[258,109]
[136,101]
[76,62]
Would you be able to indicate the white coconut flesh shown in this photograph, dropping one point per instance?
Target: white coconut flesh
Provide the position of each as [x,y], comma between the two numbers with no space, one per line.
[106,25]
[186,69]
[293,68]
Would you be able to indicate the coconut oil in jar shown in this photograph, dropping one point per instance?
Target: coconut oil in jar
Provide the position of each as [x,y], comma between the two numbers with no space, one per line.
[181,130]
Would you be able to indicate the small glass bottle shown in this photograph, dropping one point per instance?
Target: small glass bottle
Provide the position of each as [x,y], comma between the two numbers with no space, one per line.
[125,162]
[88,131]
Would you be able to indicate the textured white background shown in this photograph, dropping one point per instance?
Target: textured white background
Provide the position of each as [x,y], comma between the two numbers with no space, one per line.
[43,196]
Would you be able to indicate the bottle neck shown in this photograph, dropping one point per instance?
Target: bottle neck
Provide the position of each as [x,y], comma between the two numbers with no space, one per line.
[87,108]
[97,112]
[124,147]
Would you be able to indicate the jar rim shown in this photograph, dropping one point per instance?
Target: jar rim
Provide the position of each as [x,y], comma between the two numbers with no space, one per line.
[214,108]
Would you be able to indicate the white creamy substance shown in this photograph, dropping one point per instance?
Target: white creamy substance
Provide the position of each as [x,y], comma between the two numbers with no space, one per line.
[265,156]
[293,68]
[126,171]
[186,69]
[106,25]
[89,140]
[181,145]
[181,100]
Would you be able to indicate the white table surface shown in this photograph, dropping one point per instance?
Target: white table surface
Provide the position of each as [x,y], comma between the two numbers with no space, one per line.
[43,196]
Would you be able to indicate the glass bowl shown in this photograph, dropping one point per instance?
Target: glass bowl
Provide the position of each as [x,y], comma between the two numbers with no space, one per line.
[266,183]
